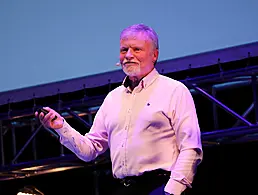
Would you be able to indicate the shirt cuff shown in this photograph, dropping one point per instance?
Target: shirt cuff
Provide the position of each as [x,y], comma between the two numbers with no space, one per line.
[174,187]
[64,132]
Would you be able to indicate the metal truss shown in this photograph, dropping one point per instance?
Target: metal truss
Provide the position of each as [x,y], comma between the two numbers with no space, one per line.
[82,111]
[230,79]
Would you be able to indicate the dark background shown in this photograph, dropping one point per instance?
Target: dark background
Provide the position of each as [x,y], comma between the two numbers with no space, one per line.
[227,167]
[230,169]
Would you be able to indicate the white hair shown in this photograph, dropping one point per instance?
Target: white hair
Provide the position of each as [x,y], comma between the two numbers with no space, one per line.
[151,34]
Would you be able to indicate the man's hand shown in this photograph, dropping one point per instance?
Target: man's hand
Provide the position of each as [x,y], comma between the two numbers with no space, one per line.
[47,120]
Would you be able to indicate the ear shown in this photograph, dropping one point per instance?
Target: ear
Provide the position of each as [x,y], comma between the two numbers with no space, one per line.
[155,55]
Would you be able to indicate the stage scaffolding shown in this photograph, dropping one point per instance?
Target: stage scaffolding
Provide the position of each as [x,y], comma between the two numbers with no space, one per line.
[222,82]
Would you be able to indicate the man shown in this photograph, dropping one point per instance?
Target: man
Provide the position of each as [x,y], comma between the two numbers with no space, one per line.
[149,123]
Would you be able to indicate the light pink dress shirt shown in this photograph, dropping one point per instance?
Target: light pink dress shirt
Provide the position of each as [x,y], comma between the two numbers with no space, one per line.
[155,126]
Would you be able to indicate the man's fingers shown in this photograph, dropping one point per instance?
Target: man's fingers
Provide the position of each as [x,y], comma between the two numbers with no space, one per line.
[49,117]
[46,118]
[41,116]
[47,108]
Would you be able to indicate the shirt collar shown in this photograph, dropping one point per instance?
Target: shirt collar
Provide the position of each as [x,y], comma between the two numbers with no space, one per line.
[144,83]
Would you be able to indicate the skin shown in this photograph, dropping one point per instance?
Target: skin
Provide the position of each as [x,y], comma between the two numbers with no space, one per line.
[137,57]
[47,119]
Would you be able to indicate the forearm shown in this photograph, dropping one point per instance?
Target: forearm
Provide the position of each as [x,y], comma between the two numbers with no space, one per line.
[80,145]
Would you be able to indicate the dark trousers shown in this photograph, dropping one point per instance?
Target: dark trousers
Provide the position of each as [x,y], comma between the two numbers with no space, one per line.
[151,183]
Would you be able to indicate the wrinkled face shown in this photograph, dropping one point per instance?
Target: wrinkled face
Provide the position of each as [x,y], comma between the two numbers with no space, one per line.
[137,54]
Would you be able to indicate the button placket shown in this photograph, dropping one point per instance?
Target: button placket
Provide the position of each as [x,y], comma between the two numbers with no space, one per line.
[127,128]
[125,134]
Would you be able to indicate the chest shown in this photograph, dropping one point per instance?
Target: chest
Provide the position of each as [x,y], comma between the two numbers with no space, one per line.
[148,107]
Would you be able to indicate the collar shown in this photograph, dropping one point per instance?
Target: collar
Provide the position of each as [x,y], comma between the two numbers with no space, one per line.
[144,83]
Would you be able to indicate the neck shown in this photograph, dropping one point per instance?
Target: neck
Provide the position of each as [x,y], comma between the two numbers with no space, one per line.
[134,81]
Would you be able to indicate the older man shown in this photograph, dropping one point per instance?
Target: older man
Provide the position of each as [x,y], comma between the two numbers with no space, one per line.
[149,123]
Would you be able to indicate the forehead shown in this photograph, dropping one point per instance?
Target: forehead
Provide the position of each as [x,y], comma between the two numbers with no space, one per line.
[135,37]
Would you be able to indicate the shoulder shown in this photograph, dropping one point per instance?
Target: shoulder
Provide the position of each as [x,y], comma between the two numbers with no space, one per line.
[111,98]
[113,94]
[172,84]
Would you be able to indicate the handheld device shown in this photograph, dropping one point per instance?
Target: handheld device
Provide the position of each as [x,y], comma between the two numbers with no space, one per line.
[39,110]
[44,111]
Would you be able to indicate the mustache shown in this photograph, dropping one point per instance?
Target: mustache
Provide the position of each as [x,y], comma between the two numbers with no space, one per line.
[127,62]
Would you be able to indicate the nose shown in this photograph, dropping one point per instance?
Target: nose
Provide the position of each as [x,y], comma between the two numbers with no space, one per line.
[129,54]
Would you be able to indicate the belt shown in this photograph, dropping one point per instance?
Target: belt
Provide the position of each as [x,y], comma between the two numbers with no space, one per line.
[145,177]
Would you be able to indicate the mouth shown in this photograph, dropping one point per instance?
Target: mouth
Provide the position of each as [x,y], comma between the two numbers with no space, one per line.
[129,63]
